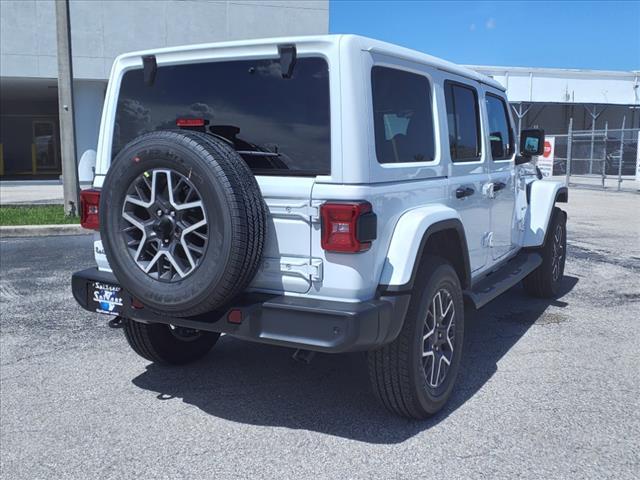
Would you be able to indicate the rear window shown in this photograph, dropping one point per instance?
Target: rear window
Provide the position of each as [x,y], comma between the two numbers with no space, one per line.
[280,126]
[402,116]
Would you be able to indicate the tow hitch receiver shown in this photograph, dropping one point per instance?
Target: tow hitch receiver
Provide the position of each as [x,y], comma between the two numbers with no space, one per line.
[117,322]
[303,356]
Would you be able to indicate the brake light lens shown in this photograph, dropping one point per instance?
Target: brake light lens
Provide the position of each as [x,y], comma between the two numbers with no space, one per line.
[90,209]
[190,122]
[347,227]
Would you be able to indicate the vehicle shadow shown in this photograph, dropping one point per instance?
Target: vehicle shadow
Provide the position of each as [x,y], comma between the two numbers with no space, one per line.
[262,385]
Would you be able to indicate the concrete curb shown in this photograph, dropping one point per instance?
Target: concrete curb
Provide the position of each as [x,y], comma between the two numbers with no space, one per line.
[12,231]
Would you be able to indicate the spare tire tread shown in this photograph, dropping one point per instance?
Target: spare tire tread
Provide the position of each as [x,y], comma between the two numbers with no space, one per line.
[255,207]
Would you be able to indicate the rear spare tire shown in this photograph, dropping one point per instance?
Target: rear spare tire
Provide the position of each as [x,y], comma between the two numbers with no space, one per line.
[182,221]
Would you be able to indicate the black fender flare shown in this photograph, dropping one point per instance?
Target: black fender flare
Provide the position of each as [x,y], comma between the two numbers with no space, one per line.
[562,195]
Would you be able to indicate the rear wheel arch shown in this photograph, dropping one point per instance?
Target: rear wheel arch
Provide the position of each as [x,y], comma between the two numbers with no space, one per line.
[445,239]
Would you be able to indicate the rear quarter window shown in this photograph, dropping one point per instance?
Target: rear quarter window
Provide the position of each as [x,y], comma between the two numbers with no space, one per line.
[402,116]
[281,125]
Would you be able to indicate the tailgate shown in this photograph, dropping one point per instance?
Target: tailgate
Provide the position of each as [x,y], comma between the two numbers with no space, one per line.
[287,264]
[286,260]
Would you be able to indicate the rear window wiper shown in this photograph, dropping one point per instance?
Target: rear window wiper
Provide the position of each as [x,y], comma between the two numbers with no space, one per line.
[229,133]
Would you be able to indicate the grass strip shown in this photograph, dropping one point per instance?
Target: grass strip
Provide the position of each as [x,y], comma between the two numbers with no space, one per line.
[34,215]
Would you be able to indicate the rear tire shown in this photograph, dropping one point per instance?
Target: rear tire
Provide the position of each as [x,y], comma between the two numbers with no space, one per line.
[544,282]
[403,372]
[168,345]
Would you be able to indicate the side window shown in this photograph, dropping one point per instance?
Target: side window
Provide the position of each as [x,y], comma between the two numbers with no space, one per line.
[500,133]
[402,116]
[464,122]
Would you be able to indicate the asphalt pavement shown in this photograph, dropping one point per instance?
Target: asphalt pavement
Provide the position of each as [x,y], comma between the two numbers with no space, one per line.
[548,389]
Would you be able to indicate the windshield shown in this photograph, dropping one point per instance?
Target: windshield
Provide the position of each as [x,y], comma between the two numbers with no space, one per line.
[279,126]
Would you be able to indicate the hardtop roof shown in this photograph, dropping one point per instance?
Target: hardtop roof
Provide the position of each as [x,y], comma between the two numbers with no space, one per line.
[363,43]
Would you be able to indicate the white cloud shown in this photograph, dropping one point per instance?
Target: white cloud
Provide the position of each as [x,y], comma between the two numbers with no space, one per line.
[490,24]
[472,27]
[271,69]
[203,110]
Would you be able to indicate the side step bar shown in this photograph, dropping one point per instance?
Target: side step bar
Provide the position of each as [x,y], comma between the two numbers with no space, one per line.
[501,280]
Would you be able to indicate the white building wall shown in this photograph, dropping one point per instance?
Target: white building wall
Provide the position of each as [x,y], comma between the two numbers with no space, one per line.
[566,85]
[103,29]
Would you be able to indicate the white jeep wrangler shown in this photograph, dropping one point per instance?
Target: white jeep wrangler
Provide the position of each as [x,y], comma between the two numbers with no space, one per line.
[330,193]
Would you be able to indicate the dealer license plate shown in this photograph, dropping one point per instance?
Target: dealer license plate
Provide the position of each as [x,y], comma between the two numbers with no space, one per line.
[106,298]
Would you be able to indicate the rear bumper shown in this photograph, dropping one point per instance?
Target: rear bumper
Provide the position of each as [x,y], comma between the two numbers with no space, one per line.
[311,324]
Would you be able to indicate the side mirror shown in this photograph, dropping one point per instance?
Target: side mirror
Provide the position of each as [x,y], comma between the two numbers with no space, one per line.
[532,142]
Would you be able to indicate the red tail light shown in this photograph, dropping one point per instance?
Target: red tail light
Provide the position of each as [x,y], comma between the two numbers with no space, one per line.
[89,209]
[347,227]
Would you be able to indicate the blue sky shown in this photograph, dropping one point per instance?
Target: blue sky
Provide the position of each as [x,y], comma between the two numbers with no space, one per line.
[572,34]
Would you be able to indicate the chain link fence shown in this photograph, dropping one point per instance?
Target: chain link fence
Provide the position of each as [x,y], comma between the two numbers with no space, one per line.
[605,158]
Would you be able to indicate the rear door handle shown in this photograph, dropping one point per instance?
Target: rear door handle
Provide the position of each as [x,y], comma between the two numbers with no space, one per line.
[498,186]
[462,192]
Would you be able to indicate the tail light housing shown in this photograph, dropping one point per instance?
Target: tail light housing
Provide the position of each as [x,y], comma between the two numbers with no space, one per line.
[90,209]
[347,227]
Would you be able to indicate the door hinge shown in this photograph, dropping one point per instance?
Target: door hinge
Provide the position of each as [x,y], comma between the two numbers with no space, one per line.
[295,266]
[303,210]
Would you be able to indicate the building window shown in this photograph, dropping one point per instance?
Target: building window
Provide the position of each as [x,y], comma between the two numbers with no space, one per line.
[402,116]
[500,133]
[464,122]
